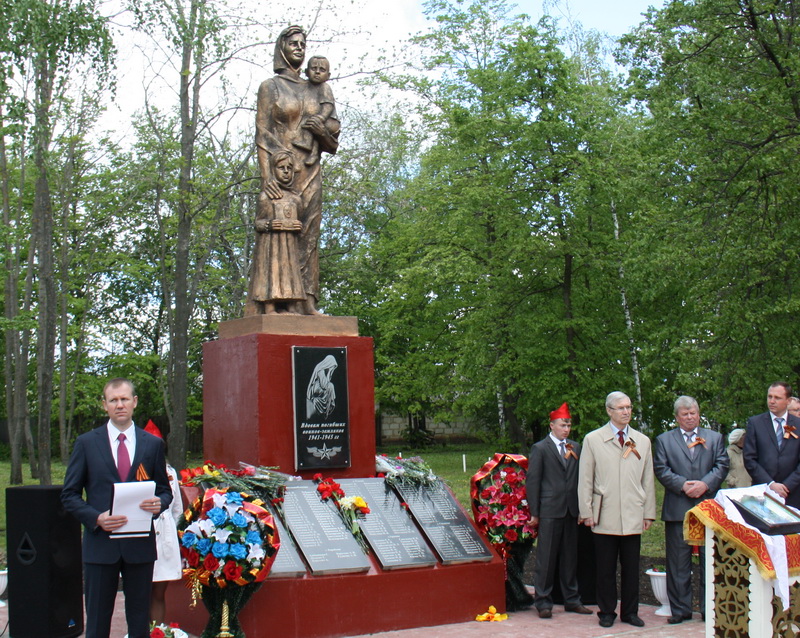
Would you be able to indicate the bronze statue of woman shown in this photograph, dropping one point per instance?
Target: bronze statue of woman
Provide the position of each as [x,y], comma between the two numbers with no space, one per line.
[286,111]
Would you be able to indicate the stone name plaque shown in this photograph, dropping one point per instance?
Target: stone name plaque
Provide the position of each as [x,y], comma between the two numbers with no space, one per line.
[445,524]
[288,563]
[390,531]
[321,536]
[321,413]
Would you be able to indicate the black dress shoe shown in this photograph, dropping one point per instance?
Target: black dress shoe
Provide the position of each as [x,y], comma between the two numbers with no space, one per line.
[606,621]
[675,620]
[577,609]
[545,613]
[634,620]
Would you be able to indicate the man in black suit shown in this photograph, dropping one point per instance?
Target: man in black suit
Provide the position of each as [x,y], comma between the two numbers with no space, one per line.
[691,463]
[552,490]
[772,448]
[113,453]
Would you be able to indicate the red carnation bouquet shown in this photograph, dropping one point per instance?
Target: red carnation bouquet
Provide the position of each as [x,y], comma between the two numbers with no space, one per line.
[500,507]
[499,501]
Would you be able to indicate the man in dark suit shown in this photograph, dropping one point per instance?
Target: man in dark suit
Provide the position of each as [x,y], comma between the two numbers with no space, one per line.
[772,448]
[691,463]
[114,453]
[552,490]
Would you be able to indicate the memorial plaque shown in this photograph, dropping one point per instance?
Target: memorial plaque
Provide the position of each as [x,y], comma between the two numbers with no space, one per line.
[321,414]
[288,563]
[390,531]
[321,536]
[445,524]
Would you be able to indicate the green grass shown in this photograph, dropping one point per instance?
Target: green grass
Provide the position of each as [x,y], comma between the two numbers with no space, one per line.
[446,462]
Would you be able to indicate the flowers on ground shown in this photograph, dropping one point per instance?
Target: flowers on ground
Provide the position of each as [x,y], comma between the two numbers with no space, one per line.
[499,503]
[167,631]
[228,538]
[491,615]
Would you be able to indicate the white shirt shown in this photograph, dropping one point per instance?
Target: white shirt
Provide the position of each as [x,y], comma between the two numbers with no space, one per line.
[784,416]
[130,440]
[557,441]
[617,431]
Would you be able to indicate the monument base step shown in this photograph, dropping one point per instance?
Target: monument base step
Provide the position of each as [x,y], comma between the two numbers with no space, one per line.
[354,604]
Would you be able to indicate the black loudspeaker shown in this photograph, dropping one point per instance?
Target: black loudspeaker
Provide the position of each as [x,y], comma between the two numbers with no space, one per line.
[45,578]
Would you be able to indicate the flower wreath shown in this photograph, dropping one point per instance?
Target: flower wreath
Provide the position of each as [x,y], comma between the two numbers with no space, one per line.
[499,502]
[228,538]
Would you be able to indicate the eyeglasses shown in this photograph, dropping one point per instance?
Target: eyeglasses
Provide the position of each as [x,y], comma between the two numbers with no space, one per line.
[623,408]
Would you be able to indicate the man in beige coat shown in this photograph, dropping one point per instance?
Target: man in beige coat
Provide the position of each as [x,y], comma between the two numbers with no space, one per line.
[617,499]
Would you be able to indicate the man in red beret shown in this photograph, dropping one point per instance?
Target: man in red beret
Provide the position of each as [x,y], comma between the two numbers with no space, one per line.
[552,487]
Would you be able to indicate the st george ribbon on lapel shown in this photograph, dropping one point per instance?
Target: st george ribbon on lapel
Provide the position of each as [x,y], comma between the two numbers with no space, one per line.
[123,458]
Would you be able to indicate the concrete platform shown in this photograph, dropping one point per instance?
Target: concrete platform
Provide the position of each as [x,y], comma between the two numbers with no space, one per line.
[522,623]
[562,624]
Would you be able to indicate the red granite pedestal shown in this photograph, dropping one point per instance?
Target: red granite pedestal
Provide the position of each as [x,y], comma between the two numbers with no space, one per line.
[355,604]
[248,416]
[248,412]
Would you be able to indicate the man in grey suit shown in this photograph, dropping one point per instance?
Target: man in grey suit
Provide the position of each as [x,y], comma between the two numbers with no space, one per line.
[552,490]
[691,463]
[772,448]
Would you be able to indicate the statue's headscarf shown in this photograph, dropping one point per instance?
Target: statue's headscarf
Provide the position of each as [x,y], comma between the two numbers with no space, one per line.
[279,62]
[276,157]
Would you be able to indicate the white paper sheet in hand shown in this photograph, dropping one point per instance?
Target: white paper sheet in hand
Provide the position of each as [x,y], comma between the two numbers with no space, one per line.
[127,498]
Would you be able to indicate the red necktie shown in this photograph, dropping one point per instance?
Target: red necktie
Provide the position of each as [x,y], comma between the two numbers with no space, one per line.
[123,459]
[621,438]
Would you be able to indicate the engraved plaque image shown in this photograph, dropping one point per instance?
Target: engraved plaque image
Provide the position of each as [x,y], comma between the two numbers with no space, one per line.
[321,536]
[321,413]
[445,524]
[288,562]
[389,529]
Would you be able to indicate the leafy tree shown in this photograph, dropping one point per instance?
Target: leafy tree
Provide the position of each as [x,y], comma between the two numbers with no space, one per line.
[720,79]
[44,41]
[501,268]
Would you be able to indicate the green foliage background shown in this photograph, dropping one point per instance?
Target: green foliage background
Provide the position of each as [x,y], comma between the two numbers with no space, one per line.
[523,221]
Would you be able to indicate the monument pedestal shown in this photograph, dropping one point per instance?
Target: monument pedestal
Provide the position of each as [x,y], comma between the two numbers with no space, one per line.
[249,415]
[355,604]
[248,395]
